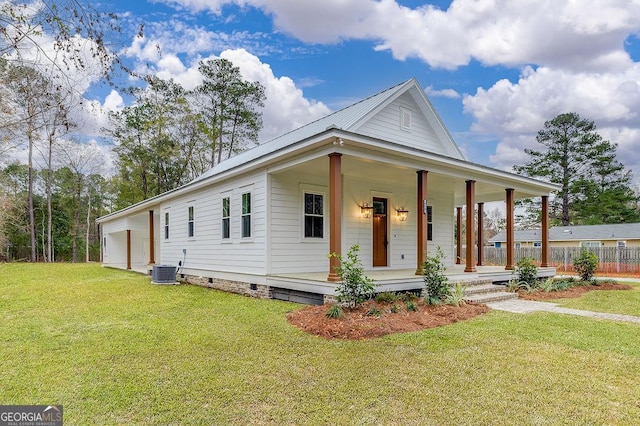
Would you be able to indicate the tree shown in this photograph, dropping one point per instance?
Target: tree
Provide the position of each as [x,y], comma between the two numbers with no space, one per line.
[155,141]
[57,34]
[576,157]
[24,98]
[229,108]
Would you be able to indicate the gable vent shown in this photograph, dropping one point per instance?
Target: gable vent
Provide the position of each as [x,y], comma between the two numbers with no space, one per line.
[405,119]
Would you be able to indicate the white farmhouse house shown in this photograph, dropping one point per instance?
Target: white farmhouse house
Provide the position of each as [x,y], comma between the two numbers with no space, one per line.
[383,173]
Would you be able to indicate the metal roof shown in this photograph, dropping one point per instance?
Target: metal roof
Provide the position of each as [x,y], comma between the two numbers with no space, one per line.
[347,119]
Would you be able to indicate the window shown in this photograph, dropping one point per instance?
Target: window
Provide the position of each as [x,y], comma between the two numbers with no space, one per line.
[497,244]
[313,216]
[537,244]
[619,244]
[246,215]
[226,218]
[166,225]
[191,223]
[517,246]
[590,244]
[429,223]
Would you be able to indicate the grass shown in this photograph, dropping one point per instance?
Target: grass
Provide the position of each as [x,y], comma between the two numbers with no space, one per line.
[619,302]
[114,349]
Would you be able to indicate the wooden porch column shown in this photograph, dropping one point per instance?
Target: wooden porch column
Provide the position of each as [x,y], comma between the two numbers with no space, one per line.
[510,229]
[458,235]
[421,211]
[335,219]
[128,248]
[471,201]
[545,231]
[152,238]
[480,231]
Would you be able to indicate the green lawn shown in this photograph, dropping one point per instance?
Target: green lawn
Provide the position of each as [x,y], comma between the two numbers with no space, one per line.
[114,349]
[619,302]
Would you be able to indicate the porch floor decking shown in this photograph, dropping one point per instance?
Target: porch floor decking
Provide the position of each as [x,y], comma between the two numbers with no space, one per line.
[395,279]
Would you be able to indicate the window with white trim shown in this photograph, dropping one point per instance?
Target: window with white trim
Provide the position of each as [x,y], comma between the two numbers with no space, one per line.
[166,225]
[226,218]
[191,225]
[537,243]
[619,244]
[246,215]
[313,215]
[589,244]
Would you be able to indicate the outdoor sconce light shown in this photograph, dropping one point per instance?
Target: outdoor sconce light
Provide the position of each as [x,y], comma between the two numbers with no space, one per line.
[402,214]
[366,210]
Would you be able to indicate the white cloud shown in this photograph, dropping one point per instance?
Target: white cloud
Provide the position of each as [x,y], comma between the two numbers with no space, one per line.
[514,112]
[444,93]
[491,31]
[285,108]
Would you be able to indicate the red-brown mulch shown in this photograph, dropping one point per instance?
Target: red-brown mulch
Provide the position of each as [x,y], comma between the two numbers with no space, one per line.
[356,325]
[572,292]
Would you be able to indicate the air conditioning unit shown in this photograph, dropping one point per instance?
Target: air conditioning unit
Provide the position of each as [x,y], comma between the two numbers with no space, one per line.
[163,274]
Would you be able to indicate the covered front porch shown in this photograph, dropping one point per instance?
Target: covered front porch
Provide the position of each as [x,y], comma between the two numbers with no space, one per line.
[397,279]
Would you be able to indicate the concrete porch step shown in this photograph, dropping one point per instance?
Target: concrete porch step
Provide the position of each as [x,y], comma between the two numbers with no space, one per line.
[491,297]
[483,289]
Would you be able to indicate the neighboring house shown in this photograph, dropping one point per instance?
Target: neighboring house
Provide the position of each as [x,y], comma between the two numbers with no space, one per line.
[611,235]
[383,173]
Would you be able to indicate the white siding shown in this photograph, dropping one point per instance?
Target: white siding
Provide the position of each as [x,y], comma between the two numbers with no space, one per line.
[386,124]
[289,251]
[207,251]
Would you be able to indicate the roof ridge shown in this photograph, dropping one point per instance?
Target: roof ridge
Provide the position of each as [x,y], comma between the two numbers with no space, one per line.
[324,117]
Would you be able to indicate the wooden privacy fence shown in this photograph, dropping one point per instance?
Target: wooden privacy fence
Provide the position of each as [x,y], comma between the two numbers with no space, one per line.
[610,259]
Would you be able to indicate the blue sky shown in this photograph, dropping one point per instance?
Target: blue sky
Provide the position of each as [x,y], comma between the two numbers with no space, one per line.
[494,69]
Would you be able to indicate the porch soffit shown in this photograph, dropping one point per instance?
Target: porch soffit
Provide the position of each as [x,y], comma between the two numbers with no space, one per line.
[386,169]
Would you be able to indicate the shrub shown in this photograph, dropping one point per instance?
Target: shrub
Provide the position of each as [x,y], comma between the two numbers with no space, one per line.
[395,308]
[386,297]
[409,296]
[436,283]
[374,312]
[548,285]
[334,311]
[456,296]
[411,306]
[586,265]
[355,287]
[527,272]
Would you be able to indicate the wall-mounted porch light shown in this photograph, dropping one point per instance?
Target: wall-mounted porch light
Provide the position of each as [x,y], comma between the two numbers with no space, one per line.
[366,210]
[402,214]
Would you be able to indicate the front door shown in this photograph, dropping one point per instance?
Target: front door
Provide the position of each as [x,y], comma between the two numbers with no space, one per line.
[380,241]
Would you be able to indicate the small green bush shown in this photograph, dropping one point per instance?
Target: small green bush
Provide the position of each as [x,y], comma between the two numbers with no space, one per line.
[386,297]
[456,296]
[409,296]
[411,306]
[436,283]
[395,308]
[527,272]
[355,287]
[335,311]
[586,265]
[374,312]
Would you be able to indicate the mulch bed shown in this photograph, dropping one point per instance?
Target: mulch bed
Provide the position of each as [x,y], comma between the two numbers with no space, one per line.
[572,292]
[356,325]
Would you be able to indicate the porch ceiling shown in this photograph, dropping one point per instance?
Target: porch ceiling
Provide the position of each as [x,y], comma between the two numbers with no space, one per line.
[376,170]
